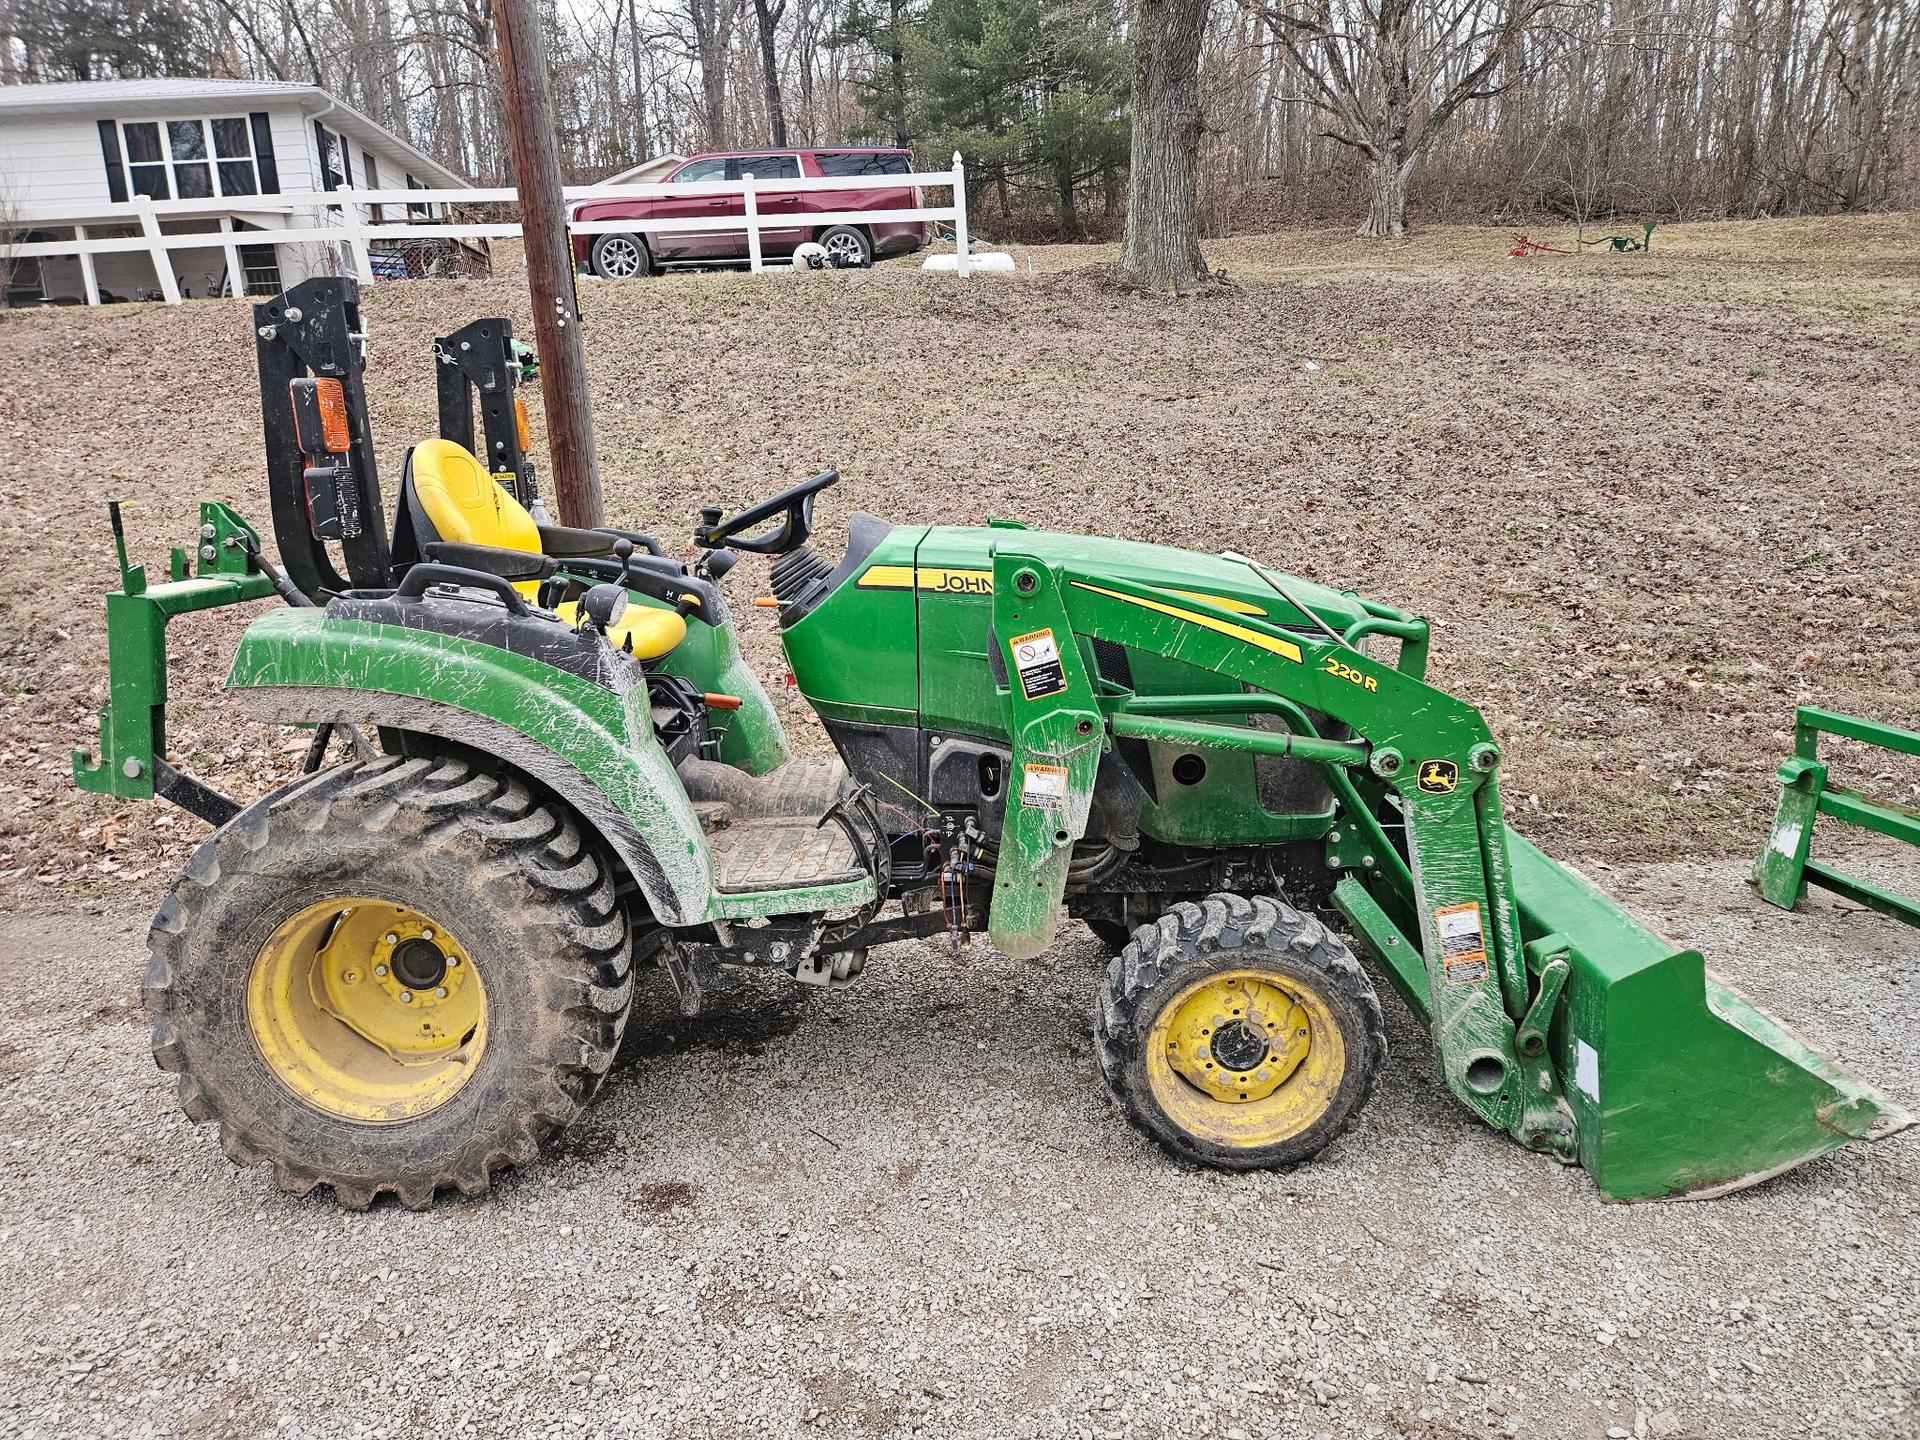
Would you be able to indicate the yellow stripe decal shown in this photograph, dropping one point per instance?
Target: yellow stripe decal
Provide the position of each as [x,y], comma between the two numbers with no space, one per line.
[905,577]
[887,577]
[1224,602]
[1225,627]
[980,582]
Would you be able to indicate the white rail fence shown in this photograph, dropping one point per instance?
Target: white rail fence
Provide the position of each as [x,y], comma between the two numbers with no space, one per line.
[357,227]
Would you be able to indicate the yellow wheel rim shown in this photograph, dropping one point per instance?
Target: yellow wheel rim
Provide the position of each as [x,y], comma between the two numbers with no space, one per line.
[1245,1058]
[367,1010]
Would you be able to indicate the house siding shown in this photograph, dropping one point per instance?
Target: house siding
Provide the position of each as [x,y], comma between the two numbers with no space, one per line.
[56,160]
[52,161]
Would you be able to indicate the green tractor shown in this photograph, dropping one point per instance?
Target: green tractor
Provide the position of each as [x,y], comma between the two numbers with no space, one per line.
[538,762]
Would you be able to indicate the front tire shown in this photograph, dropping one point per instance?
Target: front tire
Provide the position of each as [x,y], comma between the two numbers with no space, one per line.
[621,257]
[391,977]
[1239,1033]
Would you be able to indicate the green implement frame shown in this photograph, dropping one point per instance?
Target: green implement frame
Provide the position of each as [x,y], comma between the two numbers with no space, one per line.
[1555,1016]
[1786,867]
[133,724]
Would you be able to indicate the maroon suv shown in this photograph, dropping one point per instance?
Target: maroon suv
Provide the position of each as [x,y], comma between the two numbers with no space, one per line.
[618,255]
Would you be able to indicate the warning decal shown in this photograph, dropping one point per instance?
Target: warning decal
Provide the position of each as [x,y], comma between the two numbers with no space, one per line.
[1044,787]
[1037,659]
[1463,944]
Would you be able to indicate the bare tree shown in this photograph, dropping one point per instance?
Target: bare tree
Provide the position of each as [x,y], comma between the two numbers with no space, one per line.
[1314,108]
[766,14]
[1162,247]
[1387,75]
[712,22]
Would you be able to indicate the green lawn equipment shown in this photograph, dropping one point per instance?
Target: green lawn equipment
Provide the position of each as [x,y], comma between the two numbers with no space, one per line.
[407,969]
[1786,866]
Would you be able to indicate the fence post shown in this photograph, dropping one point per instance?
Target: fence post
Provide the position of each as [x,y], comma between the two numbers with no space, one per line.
[236,278]
[959,215]
[357,241]
[753,224]
[157,251]
[88,279]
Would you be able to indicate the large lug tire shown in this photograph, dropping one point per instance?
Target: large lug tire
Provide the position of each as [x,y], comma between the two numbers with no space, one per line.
[847,243]
[393,977]
[621,256]
[1239,1033]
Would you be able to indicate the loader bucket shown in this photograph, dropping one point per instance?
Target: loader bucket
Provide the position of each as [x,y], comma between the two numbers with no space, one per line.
[1679,1085]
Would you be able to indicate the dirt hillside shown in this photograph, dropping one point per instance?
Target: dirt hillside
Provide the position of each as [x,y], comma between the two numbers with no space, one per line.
[1652,503]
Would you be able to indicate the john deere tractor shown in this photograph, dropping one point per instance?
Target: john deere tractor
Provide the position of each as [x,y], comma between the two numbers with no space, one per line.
[538,762]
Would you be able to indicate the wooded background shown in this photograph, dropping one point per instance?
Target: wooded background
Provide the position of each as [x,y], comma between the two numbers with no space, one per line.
[1487,109]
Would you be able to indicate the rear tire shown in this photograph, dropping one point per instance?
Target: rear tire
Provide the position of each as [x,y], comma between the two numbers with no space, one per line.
[621,257]
[1239,1033]
[847,243]
[284,1004]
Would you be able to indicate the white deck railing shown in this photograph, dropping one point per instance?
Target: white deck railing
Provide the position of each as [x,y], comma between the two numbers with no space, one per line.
[356,228]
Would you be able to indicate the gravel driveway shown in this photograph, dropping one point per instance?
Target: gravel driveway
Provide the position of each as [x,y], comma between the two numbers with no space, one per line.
[908,1208]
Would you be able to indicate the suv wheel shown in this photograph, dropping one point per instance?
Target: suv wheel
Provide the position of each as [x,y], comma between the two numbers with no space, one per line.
[621,257]
[847,245]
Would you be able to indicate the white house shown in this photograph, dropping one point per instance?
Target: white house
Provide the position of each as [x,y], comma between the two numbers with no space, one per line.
[76,157]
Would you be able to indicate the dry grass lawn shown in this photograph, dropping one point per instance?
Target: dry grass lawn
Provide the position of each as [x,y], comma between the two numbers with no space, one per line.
[1651,502]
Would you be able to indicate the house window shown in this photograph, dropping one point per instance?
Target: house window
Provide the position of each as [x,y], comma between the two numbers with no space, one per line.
[370,172]
[336,170]
[190,159]
[418,212]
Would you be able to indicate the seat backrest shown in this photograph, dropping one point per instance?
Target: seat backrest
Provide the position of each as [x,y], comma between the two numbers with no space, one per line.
[465,504]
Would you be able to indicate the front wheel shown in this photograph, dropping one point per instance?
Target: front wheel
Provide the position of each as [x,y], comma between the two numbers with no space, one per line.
[1239,1033]
[621,257]
[393,977]
[847,247]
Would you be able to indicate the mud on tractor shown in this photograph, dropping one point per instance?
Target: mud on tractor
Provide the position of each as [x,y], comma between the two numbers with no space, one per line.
[538,762]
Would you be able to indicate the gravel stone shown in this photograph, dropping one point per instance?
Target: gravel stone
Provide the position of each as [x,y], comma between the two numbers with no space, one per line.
[722,1267]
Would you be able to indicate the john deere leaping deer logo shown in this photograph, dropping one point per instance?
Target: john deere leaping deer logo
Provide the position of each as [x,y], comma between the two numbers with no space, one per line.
[1438,777]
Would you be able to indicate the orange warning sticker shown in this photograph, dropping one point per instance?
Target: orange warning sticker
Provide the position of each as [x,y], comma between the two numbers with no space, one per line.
[1463,943]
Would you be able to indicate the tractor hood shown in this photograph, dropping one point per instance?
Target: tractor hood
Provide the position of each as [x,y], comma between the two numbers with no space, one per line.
[898,632]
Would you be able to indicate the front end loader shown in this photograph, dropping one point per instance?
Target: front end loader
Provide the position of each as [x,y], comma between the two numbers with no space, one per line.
[538,761]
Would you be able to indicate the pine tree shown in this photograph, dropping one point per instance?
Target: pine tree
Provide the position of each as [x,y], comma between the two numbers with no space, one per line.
[1031,92]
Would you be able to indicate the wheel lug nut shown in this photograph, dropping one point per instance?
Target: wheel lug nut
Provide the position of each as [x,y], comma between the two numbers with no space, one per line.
[406,997]
[426,934]
[381,971]
[391,938]
[440,993]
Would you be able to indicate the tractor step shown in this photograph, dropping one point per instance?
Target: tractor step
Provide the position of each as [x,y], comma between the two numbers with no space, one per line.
[781,853]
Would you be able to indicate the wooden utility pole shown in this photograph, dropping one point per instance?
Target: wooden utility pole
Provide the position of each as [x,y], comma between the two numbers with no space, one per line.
[543,226]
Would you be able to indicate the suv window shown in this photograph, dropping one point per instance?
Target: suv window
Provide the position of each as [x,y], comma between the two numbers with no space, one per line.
[865,162]
[763,167]
[714,169]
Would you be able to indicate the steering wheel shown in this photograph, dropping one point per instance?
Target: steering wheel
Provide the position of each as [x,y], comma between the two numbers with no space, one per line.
[793,506]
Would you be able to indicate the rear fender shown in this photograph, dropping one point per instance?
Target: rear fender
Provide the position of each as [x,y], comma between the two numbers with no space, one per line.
[590,744]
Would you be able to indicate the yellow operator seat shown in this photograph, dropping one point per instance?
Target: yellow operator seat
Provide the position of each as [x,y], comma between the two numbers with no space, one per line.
[462,503]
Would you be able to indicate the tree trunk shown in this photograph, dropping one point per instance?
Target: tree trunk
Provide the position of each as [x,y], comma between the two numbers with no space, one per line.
[711,26]
[636,59]
[1387,209]
[1162,248]
[768,15]
[897,63]
[1063,188]
[1390,158]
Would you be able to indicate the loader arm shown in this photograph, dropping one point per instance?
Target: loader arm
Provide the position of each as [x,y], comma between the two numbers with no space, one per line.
[1554,1015]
